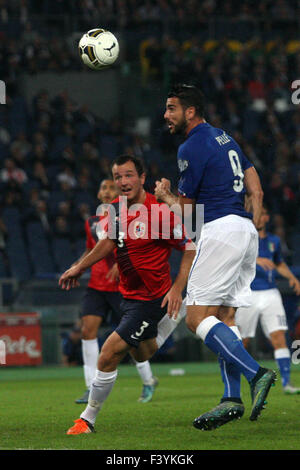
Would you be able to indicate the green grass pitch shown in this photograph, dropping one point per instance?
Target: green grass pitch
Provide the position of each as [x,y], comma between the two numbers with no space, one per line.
[37,407]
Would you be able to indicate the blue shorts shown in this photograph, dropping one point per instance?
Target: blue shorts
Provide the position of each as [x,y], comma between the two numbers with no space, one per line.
[139,320]
[101,304]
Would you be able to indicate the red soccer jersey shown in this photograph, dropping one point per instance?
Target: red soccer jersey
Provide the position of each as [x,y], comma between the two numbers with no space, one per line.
[144,241]
[99,270]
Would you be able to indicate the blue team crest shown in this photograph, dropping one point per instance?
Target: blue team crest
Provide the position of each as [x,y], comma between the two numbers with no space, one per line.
[139,229]
[182,165]
[271,246]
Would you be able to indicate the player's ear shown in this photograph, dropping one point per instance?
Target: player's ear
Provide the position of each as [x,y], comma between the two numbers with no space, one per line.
[190,112]
[143,178]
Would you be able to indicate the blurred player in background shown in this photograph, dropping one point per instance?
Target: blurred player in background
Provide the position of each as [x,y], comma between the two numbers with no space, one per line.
[102,298]
[71,347]
[215,172]
[143,242]
[266,301]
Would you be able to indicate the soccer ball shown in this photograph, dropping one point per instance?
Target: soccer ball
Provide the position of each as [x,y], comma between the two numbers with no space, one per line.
[98,48]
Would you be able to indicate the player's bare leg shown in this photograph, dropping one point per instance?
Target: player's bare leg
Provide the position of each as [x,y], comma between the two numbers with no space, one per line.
[226,315]
[203,321]
[282,356]
[197,313]
[145,350]
[141,356]
[90,351]
[112,352]
[278,340]
[148,348]
[246,342]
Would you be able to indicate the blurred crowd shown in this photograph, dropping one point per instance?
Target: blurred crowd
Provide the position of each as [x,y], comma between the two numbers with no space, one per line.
[53,159]
[248,90]
[136,11]
[53,156]
[54,152]
[31,39]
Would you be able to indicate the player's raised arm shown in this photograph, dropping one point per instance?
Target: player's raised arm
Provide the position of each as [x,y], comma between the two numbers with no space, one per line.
[70,277]
[254,193]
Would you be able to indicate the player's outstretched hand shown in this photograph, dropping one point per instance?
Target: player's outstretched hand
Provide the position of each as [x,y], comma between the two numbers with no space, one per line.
[166,184]
[295,284]
[174,299]
[69,278]
[265,263]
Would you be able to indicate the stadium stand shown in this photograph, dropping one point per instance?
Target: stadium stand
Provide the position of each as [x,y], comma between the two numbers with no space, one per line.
[39,249]
[55,151]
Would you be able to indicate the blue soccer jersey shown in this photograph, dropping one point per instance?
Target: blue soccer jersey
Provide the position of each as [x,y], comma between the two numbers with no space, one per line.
[212,166]
[269,247]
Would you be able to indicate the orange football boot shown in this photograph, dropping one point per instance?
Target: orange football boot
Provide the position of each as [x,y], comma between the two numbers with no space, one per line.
[81,426]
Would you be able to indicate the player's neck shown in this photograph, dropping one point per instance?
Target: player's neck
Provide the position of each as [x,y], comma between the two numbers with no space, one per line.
[262,233]
[139,199]
[193,123]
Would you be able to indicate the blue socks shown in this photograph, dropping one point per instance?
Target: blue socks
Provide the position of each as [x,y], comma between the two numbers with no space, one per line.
[220,339]
[231,377]
[283,359]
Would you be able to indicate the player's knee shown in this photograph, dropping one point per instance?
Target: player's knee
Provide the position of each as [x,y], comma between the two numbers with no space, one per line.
[145,350]
[142,356]
[278,339]
[152,349]
[111,355]
[88,332]
[190,323]
[106,359]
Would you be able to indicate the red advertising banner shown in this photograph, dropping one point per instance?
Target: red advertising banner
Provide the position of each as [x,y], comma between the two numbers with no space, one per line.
[20,338]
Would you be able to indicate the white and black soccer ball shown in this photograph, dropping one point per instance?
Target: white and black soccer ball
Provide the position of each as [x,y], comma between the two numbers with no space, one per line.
[98,48]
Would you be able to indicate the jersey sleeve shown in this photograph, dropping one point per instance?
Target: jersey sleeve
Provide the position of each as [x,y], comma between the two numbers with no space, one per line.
[245,162]
[171,229]
[191,167]
[89,241]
